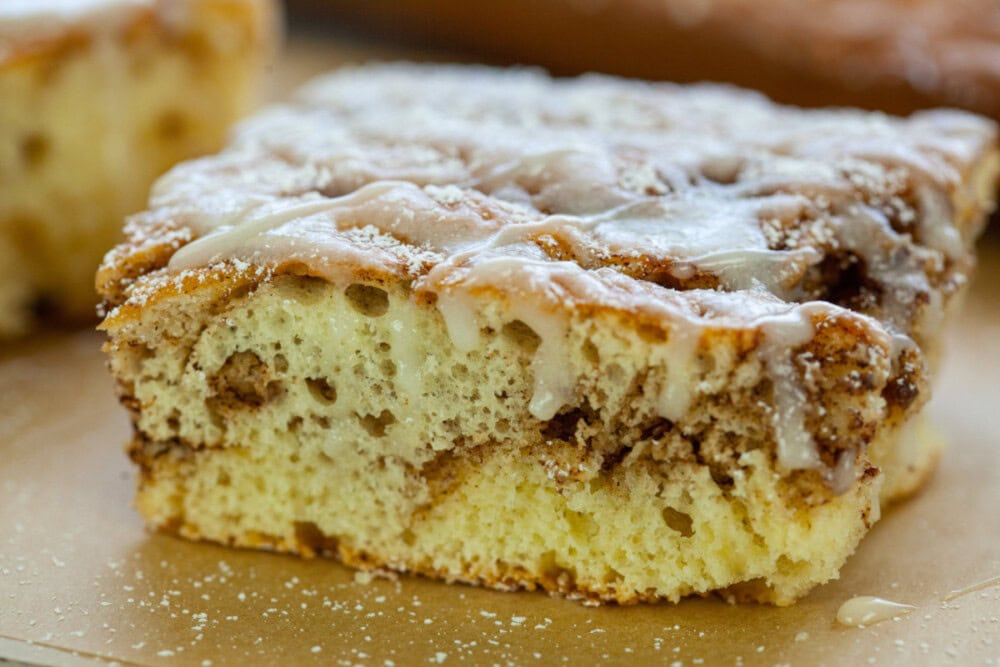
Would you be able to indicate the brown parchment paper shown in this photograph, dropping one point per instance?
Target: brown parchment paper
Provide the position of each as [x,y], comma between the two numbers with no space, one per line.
[82,582]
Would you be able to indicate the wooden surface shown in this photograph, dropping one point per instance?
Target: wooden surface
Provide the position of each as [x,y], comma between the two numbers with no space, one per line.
[78,573]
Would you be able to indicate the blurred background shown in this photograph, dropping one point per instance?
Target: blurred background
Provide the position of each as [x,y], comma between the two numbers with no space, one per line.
[894,55]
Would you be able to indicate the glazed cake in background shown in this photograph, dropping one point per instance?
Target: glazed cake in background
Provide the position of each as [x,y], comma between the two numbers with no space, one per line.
[892,55]
[99,98]
[616,340]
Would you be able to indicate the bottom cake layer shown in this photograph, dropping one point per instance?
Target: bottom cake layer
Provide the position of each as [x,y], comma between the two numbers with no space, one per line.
[506,517]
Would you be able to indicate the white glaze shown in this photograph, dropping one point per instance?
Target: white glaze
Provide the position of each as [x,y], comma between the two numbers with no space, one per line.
[408,354]
[865,610]
[897,263]
[678,357]
[796,447]
[843,475]
[974,588]
[551,367]
[554,381]
[458,310]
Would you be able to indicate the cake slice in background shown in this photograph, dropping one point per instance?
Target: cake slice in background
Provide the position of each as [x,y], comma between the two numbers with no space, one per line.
[615,340]
[892,55]
[97,99]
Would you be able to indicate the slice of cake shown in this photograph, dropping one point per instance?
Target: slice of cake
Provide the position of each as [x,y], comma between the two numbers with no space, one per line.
[615,340]
[99,97]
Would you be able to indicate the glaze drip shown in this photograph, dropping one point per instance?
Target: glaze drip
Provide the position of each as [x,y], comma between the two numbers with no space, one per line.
[866,610]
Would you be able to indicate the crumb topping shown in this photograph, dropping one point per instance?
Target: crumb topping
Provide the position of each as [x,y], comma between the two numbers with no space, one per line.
[436,174]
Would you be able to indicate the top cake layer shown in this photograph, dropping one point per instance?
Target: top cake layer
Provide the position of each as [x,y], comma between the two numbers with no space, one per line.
[475,177]
[697,212]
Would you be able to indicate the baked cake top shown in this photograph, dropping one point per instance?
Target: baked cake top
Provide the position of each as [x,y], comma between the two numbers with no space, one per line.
[444,175]
[693,207]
